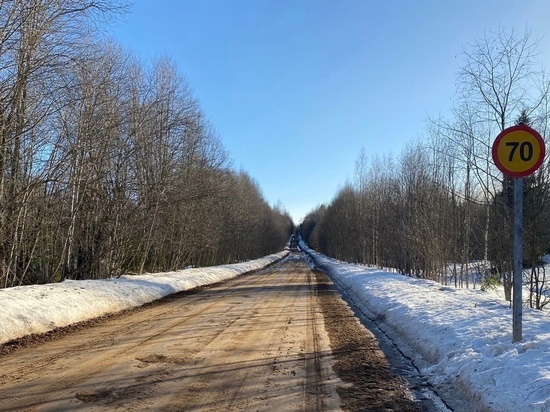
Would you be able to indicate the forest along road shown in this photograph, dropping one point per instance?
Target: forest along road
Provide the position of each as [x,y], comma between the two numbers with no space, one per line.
[280,339]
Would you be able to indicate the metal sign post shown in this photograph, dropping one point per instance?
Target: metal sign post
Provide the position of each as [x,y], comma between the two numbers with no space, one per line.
[518,151]
[517,303]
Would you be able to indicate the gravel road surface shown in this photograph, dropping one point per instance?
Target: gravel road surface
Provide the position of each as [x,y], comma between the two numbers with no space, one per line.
[280,339]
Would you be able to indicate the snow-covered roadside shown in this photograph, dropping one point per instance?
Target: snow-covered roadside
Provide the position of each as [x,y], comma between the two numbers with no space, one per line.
[465,335]
[40,308]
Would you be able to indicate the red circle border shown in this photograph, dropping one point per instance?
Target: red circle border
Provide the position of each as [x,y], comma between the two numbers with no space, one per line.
[524,128]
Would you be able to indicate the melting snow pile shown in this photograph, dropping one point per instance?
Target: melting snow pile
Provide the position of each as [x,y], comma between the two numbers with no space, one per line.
[40,308]
[464,334]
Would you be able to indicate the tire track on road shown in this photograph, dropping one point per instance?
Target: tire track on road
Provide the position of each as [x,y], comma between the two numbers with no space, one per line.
[42,393]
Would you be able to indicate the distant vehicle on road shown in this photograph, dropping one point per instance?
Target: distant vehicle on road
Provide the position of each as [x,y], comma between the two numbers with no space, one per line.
[293,243]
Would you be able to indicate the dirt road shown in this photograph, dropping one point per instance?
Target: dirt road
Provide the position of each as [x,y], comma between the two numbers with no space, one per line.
[259,342]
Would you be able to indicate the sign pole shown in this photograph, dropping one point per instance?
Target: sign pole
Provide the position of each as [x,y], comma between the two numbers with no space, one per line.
[518,261]
[517,152]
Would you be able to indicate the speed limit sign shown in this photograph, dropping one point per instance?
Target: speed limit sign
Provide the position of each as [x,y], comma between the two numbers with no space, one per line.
[518,151]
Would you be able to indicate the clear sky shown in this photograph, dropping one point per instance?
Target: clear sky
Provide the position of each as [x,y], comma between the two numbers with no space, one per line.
[296,88]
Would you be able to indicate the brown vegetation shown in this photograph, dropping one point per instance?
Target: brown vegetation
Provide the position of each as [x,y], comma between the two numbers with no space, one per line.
[442,204]
[107,165]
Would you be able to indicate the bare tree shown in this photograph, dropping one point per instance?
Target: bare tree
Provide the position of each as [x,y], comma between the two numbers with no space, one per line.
[38,39]
[499,78]
[107,165]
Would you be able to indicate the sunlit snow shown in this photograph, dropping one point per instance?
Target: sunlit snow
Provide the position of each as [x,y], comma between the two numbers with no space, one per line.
[463,335]
[40,308]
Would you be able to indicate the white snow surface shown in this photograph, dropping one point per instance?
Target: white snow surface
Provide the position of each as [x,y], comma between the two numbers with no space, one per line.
[464,336]
[26,310]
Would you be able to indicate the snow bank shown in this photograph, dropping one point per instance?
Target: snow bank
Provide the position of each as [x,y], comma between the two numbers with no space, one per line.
[464,334]
[41,308]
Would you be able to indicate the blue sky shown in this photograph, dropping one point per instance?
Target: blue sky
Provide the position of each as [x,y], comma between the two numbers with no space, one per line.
[297,88]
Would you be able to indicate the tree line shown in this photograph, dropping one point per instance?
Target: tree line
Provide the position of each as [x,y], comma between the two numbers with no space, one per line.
[108,164]
[441,206]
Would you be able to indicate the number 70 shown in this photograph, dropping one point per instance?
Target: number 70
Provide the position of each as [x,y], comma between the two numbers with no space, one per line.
[525,150]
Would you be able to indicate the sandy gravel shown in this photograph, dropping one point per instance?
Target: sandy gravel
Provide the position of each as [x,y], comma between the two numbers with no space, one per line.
[259,342]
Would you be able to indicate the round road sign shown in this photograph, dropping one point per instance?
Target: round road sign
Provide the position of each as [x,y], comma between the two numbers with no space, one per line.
[518,151]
